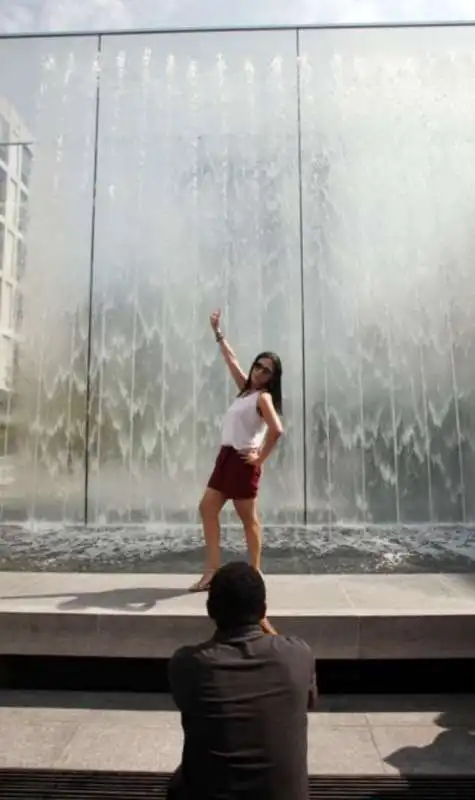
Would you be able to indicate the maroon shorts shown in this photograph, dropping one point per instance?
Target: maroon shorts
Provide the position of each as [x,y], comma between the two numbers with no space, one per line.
[233,477]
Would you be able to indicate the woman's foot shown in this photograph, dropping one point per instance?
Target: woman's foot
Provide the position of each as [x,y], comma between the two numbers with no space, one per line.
[204,582]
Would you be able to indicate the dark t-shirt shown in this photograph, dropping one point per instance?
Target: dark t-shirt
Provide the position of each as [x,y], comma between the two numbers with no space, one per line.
[243,697]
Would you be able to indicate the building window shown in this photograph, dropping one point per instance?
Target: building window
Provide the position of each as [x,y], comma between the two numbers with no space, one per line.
[16,359]
[23,215]
[20,259]
[4,139]
[18,309]
[3,191]
[14,162]
[26,162]
[7,306]
[6,362]
[11,217]
[9,260]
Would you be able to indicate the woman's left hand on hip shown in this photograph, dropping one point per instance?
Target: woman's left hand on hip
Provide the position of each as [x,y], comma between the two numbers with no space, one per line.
[250,457]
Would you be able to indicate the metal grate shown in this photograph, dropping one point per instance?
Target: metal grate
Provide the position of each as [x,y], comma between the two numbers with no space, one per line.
[19,784]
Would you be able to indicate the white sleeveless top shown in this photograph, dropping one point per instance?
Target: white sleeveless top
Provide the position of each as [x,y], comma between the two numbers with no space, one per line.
[243,427]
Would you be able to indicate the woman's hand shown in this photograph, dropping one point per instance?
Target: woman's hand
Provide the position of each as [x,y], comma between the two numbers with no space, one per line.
[266,627]
[214,319]
[251,457]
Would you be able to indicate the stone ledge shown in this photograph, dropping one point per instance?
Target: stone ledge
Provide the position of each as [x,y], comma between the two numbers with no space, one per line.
[143,616]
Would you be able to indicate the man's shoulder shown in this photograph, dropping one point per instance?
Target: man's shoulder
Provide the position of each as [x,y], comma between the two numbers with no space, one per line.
[290,645]
[190,652]
[205,652]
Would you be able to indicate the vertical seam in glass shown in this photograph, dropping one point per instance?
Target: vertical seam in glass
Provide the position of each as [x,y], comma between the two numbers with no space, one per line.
[91,280]
[302,294]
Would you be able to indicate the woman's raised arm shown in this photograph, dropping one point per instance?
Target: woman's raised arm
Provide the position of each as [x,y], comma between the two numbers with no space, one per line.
[229,355]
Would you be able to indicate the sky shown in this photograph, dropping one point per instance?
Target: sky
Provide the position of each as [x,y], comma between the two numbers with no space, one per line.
[20,16]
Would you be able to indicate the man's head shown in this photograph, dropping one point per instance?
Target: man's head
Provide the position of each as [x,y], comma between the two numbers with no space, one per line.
[237,596]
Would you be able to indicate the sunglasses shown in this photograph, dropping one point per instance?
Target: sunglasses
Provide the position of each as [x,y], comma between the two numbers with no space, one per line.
[262,368]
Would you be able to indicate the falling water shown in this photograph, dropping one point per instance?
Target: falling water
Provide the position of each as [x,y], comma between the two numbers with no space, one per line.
[103,303]
[224,175]
[46,383]
[194,91]
[134,402]
[170,90]
[197,206]
[386,199]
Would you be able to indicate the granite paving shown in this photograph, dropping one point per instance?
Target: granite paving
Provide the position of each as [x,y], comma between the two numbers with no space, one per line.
[347,735]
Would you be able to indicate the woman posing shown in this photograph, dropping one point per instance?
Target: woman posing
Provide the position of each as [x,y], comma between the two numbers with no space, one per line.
[250,430]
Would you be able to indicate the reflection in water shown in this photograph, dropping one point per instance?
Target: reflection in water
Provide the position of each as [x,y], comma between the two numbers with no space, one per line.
[15,175]
[197,205]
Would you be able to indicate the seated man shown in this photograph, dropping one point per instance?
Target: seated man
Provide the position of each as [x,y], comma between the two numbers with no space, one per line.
[243,697]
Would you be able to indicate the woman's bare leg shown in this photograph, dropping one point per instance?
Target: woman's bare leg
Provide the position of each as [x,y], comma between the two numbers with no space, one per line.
[210,509]
[247,512]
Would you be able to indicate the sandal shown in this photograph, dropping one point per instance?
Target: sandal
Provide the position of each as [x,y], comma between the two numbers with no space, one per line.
[203,584]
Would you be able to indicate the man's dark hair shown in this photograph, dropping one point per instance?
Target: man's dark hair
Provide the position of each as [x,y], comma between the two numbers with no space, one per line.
[237,596]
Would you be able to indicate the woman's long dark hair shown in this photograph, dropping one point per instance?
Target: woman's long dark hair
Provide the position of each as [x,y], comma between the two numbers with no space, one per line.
[274,385]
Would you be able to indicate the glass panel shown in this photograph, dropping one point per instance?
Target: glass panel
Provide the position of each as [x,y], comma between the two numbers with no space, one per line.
[388,128]
[47,97]
[197,204]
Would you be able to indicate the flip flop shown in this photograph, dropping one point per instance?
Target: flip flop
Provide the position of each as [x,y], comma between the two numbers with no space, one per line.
[203,584]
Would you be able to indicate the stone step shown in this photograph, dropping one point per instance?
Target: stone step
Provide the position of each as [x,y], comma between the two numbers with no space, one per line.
[416,616]
[385,735]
